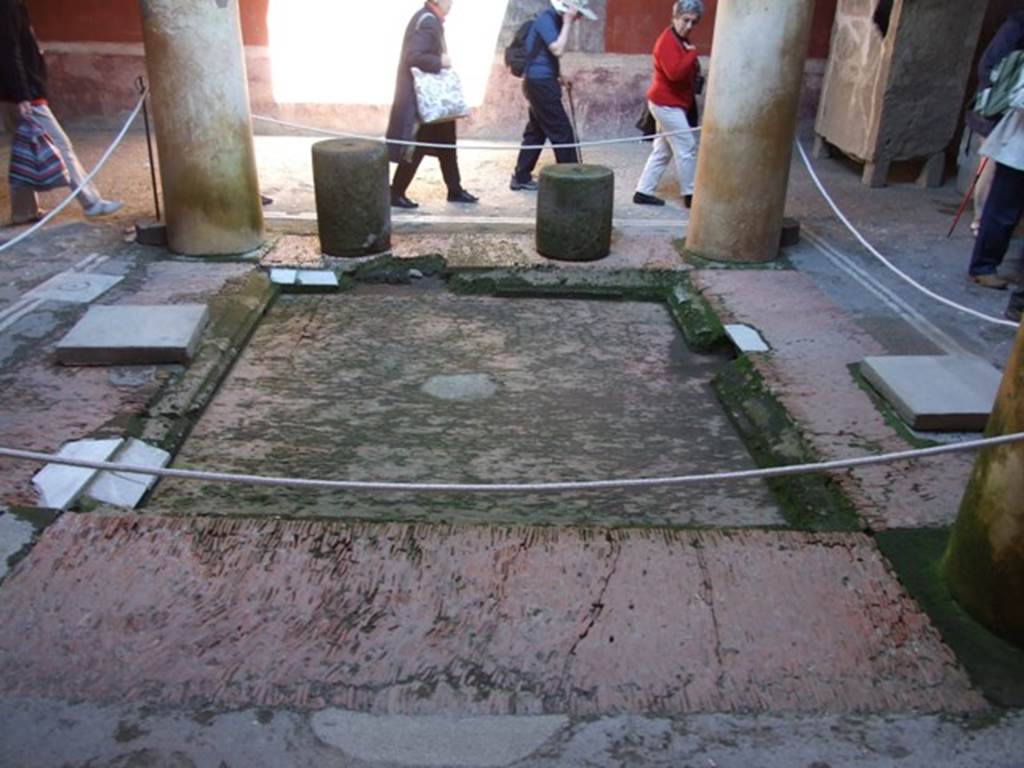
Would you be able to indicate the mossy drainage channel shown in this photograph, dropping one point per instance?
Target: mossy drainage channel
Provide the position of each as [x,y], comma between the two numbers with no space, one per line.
[504,376]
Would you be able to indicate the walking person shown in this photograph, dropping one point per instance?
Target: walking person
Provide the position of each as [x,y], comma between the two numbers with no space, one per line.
[672,99]
[23,91]
[1008,39]
[423,47]
[547,41]
[1005,205]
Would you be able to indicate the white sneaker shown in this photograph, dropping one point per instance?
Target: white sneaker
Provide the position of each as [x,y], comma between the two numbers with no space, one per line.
[103,208]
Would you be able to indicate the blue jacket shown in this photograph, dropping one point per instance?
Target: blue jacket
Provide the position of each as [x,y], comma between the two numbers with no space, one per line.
[545,30]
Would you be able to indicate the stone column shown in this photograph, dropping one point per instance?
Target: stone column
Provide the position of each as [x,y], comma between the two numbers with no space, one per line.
[985,558]
[749,124]
[200,100]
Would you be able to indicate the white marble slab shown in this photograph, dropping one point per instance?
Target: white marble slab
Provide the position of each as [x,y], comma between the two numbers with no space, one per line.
[126,489]
[59,485]
[746,338]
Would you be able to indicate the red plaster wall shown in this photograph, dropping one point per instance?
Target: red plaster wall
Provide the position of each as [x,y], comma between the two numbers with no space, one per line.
[118,21]
[633,25]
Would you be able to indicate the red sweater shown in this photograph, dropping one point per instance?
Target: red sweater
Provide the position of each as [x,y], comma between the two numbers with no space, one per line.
[675,72]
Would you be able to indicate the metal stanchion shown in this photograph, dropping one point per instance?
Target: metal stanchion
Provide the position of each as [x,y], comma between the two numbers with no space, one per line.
[150,231]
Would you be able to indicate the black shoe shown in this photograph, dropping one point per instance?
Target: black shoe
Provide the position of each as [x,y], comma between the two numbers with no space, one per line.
[641,199]
[1013,313]
[401,201]
[688,201]
[516,185]
[462,196]
[266,200]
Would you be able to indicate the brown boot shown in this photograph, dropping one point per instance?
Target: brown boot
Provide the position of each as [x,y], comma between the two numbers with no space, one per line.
[989,281]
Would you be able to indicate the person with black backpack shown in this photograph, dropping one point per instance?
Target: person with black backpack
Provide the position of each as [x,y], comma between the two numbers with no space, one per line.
[544,42]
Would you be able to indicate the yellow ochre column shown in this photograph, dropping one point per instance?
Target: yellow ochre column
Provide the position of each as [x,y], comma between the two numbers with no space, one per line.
[200,100]
[754,81]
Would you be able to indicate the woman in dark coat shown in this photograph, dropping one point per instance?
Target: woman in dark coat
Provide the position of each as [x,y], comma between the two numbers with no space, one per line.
[422,47]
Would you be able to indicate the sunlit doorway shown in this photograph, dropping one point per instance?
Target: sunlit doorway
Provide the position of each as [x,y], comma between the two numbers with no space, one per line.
[346,52]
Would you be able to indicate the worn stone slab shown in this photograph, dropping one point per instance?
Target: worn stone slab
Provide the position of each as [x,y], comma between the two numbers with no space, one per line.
[126,489]
[293,251]
[814,344]
[452,742]
[745,338]
[59,485]
[427,620]
[476,249]
[134,335]
[404,384]
[942,393]
[74,287]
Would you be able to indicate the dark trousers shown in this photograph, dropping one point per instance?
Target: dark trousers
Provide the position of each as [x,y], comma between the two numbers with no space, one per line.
[548,122]
[407,169]
[1003,210]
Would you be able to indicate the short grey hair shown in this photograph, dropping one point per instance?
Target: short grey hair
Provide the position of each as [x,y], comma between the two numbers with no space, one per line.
[688,6]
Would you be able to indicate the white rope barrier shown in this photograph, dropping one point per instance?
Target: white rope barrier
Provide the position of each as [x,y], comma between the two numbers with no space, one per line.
[521,488]
[874,252]
[475,145]
[67,201]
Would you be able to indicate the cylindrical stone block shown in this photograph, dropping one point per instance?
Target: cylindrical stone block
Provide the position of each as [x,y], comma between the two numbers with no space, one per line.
[749,125]
[353,203]
[574,211]
[200,97]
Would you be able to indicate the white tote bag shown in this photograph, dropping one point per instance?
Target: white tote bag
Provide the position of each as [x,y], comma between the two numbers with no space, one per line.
[439,98]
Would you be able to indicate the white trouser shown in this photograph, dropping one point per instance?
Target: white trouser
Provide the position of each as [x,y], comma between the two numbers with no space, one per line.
[682,146]
[24,202]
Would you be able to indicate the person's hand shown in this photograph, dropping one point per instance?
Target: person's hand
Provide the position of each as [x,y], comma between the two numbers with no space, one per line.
[571,13]
[688,46]
[25,109]
[446,61]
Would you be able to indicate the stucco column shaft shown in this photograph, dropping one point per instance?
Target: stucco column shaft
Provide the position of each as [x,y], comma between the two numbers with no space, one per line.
[750,117]
[985,559]
[200,99]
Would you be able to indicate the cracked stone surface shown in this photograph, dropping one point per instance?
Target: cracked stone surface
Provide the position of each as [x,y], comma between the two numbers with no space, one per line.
[342,387]
[425,620]
[808,371]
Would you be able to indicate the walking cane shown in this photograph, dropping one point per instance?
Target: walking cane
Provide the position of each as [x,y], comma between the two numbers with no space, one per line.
[572,115]
[970,191]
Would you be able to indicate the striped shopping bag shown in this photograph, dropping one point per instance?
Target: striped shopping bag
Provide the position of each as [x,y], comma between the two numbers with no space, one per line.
[35,161]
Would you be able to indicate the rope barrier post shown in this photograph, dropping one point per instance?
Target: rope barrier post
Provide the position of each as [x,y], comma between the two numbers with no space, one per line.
[572,114]
[150,232]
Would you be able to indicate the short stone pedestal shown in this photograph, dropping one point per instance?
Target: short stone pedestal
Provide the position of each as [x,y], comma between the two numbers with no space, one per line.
[574,212]
[353,206]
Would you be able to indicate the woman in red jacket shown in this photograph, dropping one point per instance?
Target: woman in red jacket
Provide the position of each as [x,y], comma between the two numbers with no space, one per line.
[672,99]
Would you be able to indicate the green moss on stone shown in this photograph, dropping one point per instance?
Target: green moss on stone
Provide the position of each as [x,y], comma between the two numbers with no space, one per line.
[808,502]
[697,321]
[994,665]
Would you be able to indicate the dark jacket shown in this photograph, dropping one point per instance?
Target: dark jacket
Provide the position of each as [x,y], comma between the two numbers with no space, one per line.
[422,47]
[22,69]
[1008,39]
